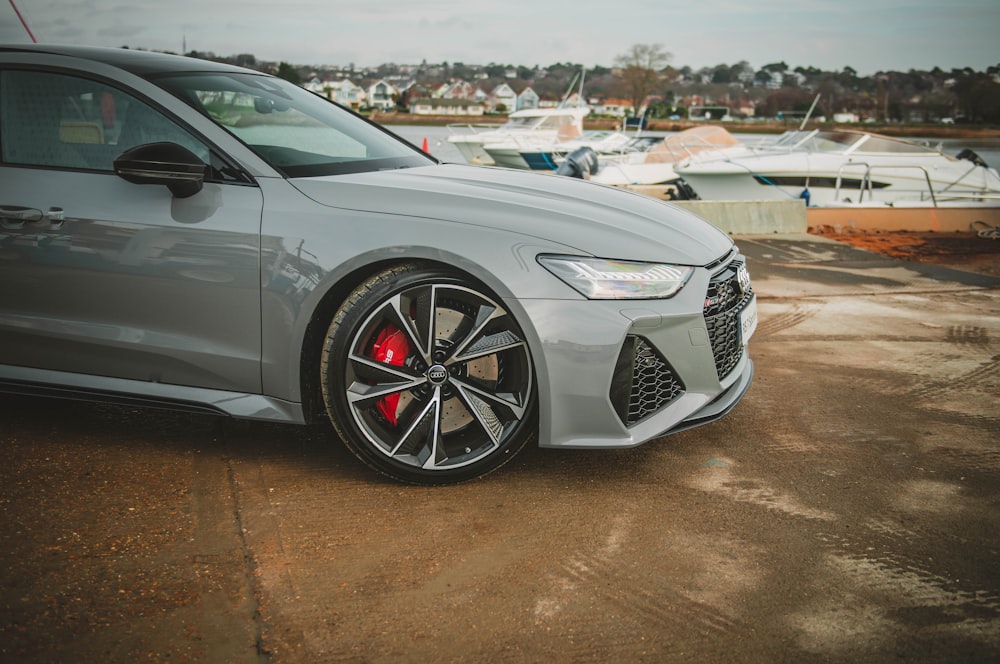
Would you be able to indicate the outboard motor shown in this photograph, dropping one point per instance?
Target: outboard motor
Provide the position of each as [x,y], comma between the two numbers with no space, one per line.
[969,155]
[681,191]
[580,163]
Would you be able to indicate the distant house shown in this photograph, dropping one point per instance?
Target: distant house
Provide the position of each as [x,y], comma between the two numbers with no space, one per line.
[382,95]
[457,90]
[343,92]
[528,99]
[440,106]
[618,108]
[411,90]
[502,96]
[349,94]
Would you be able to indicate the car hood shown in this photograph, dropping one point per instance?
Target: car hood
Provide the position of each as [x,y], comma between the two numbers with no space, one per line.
[593,219]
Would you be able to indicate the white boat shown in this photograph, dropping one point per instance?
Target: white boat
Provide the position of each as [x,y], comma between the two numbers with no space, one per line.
[830,167]
[648,165]
[655,166]
[543,124]
[529,152]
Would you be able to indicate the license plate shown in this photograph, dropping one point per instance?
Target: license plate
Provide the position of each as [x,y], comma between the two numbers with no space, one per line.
[748,320]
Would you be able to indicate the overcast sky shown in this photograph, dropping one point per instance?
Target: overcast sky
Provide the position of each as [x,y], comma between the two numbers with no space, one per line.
[868,35]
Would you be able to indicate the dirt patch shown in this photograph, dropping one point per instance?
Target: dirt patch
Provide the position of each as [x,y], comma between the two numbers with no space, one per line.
[968,250]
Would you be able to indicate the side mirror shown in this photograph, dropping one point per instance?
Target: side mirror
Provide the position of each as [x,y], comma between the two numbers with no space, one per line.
[169,164]
[268,104]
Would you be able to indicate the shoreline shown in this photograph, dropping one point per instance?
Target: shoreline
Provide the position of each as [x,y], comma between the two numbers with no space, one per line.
[736,126]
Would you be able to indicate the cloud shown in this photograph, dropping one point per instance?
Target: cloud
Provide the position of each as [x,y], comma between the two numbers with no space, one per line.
[924,33]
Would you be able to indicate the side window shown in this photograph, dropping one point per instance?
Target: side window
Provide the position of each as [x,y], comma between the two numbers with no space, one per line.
[70,122]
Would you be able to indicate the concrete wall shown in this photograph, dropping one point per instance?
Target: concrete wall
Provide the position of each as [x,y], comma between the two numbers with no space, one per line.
[792,216]
[751,217]
[739,217]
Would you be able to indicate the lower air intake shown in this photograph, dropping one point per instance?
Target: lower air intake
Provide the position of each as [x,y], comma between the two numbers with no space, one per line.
[643,382]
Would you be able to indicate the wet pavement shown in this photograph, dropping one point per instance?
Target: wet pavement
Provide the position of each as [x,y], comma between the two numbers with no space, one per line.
[846,510]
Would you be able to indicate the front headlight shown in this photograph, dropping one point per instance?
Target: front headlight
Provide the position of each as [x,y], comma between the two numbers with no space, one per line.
[600,279]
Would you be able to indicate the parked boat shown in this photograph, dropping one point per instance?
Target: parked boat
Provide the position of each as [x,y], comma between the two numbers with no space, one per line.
[543,124]
[529,152]
[655,166]
[647,163]
[827,167]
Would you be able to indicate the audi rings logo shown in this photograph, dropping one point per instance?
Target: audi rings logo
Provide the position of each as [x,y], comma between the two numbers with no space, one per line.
[437,374]
[743,276]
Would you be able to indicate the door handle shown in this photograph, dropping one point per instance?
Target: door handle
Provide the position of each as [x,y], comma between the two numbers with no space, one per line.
[14,217]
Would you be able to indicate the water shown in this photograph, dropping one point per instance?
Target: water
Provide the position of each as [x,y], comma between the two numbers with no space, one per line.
[437,144]
[437,140]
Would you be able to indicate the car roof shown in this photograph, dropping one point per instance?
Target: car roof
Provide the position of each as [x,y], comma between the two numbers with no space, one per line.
[140,63]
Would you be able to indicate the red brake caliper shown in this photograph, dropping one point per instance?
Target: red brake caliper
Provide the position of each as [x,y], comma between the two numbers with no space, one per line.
[391,347]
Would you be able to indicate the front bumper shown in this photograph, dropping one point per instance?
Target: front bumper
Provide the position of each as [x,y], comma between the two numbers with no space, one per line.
[615,374]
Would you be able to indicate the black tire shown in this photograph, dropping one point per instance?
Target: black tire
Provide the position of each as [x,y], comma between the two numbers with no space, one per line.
[422,398]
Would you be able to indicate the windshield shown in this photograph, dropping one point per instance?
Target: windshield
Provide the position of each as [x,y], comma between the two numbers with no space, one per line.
[524,122]
[848,141]
[299,133]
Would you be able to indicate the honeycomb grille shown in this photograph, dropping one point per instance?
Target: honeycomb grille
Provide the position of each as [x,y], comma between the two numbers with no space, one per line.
[643,383]
[727,295]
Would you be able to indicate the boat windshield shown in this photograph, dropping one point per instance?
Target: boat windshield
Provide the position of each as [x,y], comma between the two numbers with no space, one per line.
[848,142]
[542,120]
[690,142]
[299,133]
[524,122]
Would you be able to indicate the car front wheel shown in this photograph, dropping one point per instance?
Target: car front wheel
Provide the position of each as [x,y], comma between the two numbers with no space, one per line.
[427,378]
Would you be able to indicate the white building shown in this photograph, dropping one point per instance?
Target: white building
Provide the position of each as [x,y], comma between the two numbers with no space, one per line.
[343,92]
[502,96]
[439,106]
[382,95]
[528,99]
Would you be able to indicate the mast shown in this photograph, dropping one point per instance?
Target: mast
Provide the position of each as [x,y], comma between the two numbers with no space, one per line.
[23,22]
[809,114]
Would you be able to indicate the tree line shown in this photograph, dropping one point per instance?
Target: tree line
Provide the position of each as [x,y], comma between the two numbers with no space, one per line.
[644,76]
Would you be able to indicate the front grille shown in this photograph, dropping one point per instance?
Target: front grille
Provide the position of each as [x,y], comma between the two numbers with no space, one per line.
[726,297]
[643,382]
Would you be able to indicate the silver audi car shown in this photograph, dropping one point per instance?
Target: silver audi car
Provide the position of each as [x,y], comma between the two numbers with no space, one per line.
[188,234]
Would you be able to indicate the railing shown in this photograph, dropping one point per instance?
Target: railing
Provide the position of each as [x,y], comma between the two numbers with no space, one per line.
[928,194]
[866,180]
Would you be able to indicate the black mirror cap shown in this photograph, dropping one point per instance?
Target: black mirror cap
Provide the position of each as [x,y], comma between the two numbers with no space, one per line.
[168,164]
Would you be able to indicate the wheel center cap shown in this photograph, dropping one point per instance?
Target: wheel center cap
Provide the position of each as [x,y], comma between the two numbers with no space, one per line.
[437,374]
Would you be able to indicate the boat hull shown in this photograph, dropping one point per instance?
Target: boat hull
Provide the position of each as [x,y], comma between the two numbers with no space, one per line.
[507,157]
[616,173]
[472,150]
[832,167]
[733,187]
[826,187]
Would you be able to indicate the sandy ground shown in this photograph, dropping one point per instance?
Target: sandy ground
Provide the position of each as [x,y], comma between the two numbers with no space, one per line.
[845,511]
[960,250]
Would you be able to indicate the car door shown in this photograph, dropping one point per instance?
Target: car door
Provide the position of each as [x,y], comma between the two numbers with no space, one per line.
[102,277]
